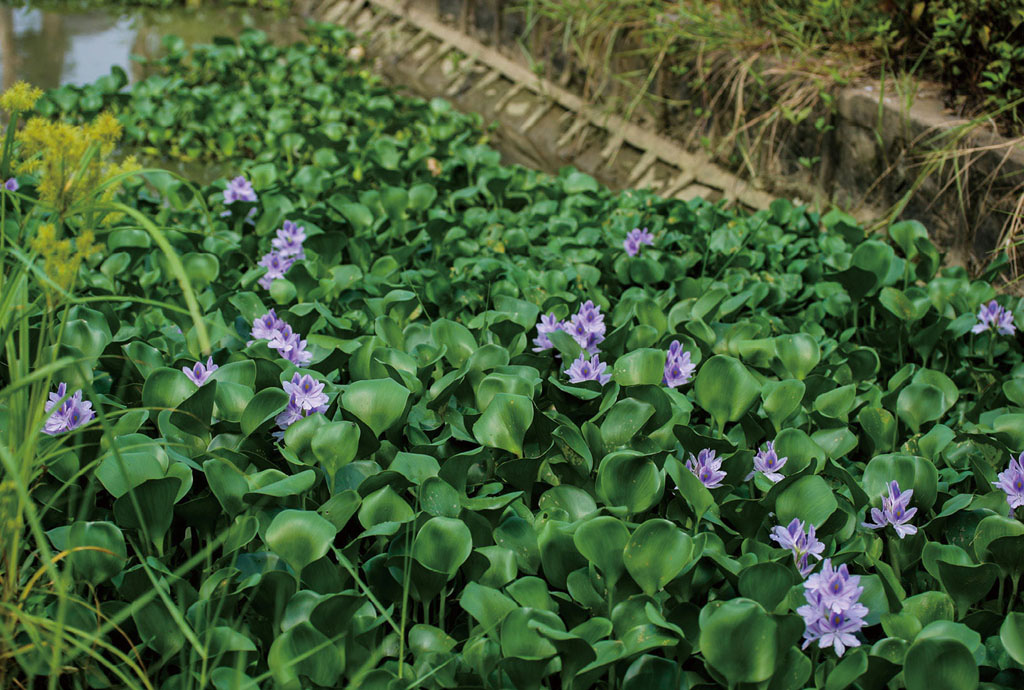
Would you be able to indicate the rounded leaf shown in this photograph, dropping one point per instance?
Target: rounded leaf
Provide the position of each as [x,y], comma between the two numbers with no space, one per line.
[442,545]
[940,663]
[601,540]
[739,640]
[725,388]
[504,423]
[300,537]
[656,553]
[378,403]
[627,480]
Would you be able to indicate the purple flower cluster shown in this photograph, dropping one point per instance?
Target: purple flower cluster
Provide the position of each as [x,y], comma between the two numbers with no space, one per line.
[289,240]
[1011,480]
[992,316]
[583,369]
[894,511]
[200,373]
[707,468]
[11,185]
[801,543]
[239,189]
[288,344]
[287,250]
[636,239]
[832,614]
[768,463]
[678,367]
[73,412]
[587,328]
[306,397]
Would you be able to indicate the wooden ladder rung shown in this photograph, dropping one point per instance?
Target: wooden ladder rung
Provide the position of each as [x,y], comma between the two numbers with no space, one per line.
[535,117]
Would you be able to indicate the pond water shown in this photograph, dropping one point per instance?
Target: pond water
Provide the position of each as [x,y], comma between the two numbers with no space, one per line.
[48,46]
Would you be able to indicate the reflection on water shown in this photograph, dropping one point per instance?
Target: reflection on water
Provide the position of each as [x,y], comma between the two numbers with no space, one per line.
[49,48]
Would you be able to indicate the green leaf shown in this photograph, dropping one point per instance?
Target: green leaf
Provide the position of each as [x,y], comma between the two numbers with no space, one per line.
[166,388]
[601,540]
[725,389]
[97,550]
[378,403]
[300,537]
[940,664]
[656,554]
[263,407]
[799,353]
[624,421]
[781,399]
[1011,634]
[644,366]
[504,423]
[442,545]
[808,498]
[739,640]
[918,404]
[910,471]
[629,480]
[334,445]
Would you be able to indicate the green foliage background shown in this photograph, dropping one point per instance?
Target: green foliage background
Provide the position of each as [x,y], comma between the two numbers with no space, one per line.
[462,516]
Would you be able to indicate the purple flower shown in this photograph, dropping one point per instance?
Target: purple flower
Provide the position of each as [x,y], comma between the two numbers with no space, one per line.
[200,374]
[837,588]
[548,324]
[768,463]
[802,544]
[11,185]
[290,346]
[993,316]
[277,265]
[306,398]
[593,370]
[73,412]
[267,326]
[1011,480]
[587,327]
[678,367]
[707,468]
[636,239]
[289,240]
[239,189]
[305,391]
[832,614]
[894,511]
[832,628]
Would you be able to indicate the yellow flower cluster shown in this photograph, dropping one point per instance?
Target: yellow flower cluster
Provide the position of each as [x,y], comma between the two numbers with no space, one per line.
[20,97]
[71,160]
[61,260]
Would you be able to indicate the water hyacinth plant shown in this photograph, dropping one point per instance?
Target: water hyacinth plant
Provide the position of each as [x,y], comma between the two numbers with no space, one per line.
[636,239]
[68,415]
[678,367]
[768,463]
[1011,481]
[994,317]
[428,502]
[833,614]
[895,511]
[200,373]
[583,369]
[707,468]
[802,543]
